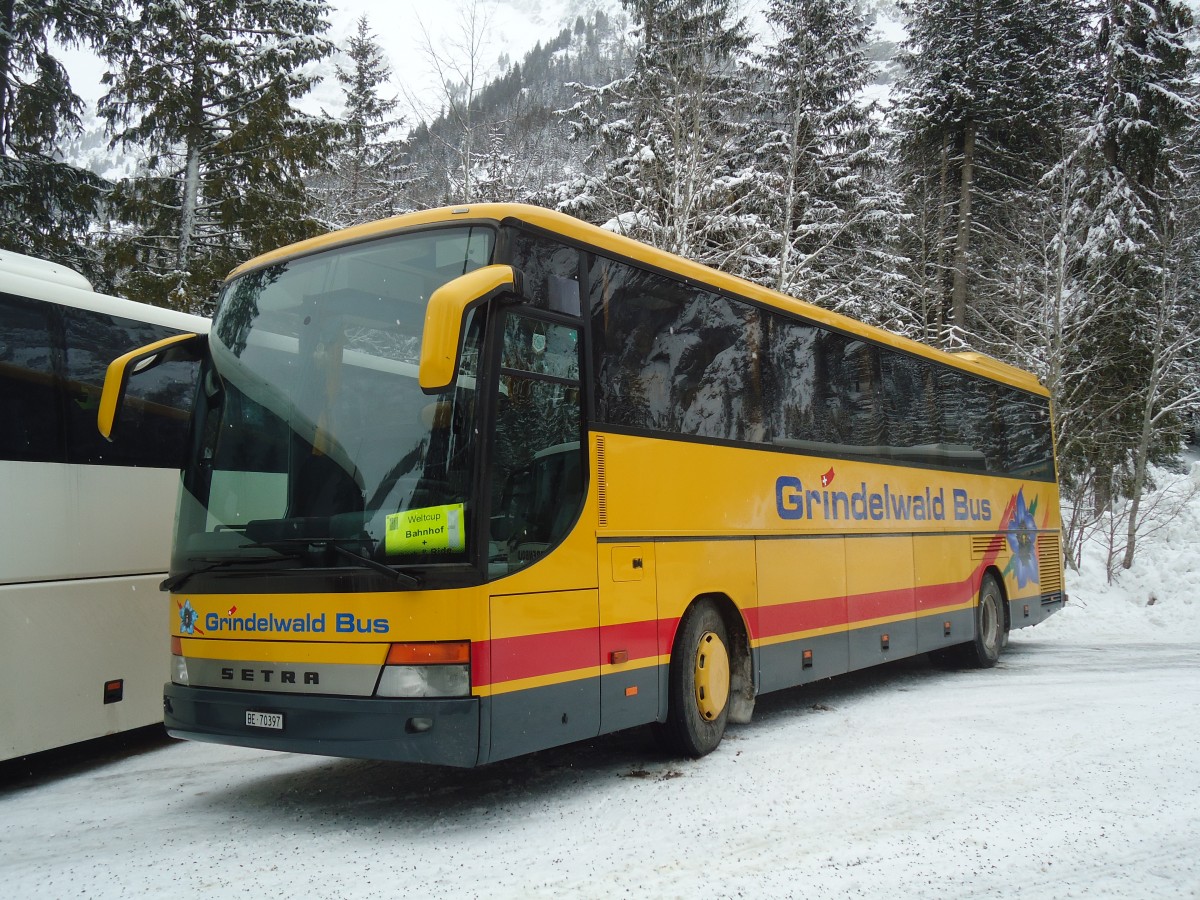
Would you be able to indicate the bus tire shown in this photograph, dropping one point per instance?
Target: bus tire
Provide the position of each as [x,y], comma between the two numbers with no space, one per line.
[991,632]
[698,693]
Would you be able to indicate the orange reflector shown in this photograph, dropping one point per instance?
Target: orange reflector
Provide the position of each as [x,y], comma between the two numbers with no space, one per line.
[618,656]
[631,691]
[429,652]
[176,646]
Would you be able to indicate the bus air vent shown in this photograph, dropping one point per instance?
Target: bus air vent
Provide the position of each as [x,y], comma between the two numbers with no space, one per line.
[1049,550]
[601,484]
[986,545]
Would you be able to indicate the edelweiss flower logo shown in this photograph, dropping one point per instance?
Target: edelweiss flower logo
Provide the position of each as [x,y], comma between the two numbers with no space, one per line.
[1021,531]
[188,618]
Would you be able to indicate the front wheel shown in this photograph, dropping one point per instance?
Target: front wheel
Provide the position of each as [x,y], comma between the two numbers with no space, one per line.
[698,690]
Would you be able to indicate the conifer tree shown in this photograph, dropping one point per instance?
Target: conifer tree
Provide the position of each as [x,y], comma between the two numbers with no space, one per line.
[667,132]
[46,205]
[828,218]
[207,90]
[1137,155]
[361,184]
[978,113]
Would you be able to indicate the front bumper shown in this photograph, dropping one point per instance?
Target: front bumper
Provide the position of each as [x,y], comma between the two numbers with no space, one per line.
[439,731]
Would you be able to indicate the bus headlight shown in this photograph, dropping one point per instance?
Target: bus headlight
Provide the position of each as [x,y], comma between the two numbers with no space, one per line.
[427,669]
[425,681]
[179,673]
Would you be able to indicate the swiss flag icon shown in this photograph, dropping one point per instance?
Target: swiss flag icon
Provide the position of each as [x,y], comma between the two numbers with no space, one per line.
[827,478]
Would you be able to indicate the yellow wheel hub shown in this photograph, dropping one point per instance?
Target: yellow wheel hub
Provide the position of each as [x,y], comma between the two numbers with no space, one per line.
[712,676]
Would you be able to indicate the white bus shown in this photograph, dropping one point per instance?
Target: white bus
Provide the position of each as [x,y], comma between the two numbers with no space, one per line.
[85,524]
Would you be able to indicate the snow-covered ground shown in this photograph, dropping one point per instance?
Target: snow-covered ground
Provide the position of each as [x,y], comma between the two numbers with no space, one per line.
[1070,770]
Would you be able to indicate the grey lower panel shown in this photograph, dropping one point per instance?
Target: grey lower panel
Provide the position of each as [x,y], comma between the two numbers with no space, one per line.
[783,665]
[933,633]
[1032,610]
[877,644]
[443,731]
[540,717]
[631,698]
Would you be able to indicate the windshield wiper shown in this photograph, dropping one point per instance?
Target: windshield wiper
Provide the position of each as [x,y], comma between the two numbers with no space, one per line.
[177,580]
[299,546]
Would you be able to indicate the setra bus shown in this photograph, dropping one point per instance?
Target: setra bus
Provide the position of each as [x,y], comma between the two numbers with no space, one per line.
[477,481]
[84,524]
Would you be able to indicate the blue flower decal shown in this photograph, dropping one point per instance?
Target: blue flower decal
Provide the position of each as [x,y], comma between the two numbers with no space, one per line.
[188,618]
[1021,532]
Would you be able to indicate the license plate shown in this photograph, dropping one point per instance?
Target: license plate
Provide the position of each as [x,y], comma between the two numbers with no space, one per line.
[264,720]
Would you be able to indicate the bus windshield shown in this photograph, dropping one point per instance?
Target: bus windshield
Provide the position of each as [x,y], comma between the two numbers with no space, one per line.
[314,442]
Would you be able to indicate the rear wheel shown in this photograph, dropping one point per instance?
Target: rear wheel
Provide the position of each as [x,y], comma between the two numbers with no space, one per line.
[991,632]
[698,691]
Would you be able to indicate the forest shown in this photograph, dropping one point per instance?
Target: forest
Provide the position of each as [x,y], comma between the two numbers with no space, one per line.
[1016,177]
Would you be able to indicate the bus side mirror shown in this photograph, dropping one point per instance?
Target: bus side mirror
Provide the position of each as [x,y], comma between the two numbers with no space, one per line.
[442,335]
[180,346]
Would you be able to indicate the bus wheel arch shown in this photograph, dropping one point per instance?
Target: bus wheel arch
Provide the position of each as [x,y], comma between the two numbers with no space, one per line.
[710,681]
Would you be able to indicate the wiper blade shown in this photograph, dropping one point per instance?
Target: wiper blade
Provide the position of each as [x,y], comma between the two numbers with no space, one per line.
[402,577]
[299,546]
[177,580]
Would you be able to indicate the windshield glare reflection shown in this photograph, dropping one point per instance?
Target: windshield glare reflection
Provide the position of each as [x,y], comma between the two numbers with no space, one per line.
[315,431]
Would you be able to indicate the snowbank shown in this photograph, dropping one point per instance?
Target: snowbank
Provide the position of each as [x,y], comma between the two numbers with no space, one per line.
[1159,598]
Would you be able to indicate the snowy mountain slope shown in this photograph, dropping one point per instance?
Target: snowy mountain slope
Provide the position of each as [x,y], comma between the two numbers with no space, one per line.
[405,29]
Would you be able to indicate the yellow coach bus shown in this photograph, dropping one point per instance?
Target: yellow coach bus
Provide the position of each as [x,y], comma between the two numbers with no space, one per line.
[473,482]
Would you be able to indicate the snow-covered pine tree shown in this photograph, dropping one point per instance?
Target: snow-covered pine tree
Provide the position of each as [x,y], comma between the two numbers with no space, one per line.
[977,115]
[361,183]
[828,219]
[665,135]
[46,205]
[1136,363]
[207,91]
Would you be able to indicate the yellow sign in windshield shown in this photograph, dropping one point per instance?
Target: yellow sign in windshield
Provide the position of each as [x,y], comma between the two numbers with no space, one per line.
[425,530]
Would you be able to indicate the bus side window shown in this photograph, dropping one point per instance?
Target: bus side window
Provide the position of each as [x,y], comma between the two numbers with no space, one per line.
[30,421]
[551,272]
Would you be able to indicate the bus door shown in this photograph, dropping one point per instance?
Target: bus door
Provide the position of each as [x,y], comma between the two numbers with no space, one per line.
[544,607]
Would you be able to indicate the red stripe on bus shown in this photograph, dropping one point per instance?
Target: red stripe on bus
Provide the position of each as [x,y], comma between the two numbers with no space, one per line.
[530,655]
[638,639]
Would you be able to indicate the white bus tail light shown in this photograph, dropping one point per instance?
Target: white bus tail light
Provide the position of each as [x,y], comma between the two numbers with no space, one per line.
[427,669]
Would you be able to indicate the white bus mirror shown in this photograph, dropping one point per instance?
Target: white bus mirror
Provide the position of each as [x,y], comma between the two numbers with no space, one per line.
[143,359]
[442,334]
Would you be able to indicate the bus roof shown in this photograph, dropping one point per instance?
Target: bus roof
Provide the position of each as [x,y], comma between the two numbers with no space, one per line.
[579,231]
[36,284]
[43,269]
